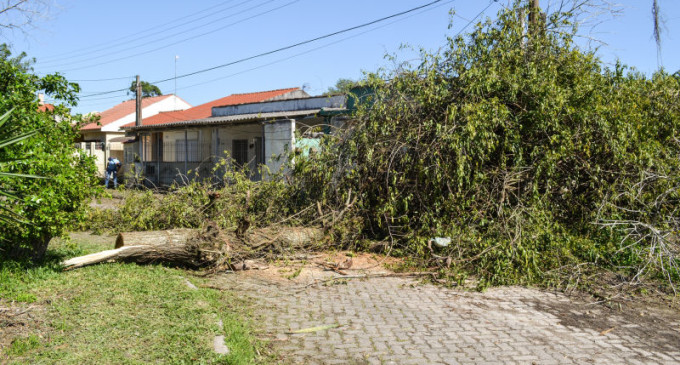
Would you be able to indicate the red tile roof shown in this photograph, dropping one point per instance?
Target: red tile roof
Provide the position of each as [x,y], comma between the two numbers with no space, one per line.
[121,110]
[205,110]
[45,108]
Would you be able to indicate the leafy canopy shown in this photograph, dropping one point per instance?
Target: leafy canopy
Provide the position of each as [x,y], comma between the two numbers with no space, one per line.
[148,89]
[506,143]
[50,204]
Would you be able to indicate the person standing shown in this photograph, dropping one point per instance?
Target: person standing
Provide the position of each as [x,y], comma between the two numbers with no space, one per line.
[112,167]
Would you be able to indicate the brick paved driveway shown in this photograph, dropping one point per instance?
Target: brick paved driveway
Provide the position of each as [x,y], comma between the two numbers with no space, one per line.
[402,321]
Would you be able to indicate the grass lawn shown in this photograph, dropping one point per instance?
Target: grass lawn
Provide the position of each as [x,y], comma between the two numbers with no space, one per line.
[116,314]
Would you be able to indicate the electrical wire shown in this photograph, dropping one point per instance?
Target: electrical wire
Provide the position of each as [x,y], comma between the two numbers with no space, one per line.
[169,36]
[136,35]
[477,16]
[98,80]
[310,50]
[329,35]
[183,40]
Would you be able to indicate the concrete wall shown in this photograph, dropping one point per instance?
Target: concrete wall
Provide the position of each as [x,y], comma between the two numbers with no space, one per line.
[319,102]
[102,154]
[279,140]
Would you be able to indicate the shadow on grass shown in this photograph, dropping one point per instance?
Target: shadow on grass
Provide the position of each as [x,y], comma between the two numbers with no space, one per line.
[19,274]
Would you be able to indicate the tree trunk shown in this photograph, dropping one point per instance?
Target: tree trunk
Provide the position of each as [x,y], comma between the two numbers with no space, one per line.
[200,248]
[178,246]
[154,238]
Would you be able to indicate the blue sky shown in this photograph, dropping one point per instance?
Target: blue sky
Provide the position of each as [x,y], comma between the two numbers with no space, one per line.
[98,40]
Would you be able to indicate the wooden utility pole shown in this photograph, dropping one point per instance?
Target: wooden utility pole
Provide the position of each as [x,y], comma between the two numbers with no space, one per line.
[138,93]
[534,15]
[138,118]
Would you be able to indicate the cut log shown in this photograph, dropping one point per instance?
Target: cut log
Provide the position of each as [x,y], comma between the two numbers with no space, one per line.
[154,238]
[194,248]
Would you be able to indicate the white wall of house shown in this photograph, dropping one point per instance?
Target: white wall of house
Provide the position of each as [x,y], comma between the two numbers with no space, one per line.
[249,144]
[168,104]
[102,154]
[225,137]
[279,140]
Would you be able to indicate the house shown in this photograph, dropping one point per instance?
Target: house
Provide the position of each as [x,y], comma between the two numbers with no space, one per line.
[104,138]
[251,132]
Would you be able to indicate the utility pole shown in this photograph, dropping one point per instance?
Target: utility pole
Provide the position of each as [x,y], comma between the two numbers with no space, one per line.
[138,114]
[534,16]
[138,109]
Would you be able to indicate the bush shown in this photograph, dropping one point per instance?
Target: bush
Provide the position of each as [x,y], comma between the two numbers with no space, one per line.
[52,204]
[191,205]
[508,145]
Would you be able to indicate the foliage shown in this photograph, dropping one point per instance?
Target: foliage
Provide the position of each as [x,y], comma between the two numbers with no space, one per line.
[229,202]
[49,205]
[507,144]
[342,86]
[7,140]
[148,89]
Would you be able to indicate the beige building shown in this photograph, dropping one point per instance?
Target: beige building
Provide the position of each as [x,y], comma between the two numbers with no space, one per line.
[105,137]
[251,133]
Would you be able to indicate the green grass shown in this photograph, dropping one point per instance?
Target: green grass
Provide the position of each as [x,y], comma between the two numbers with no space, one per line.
[123,314]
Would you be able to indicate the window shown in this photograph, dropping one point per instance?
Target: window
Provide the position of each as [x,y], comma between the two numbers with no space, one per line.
[239,151]
[181,152]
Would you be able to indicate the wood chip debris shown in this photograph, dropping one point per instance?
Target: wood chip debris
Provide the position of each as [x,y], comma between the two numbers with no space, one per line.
[314,329]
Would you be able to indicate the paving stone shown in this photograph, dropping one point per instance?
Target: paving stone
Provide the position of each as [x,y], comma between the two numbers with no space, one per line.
[401,321]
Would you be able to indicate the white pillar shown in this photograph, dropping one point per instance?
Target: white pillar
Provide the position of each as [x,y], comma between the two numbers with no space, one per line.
[279,142]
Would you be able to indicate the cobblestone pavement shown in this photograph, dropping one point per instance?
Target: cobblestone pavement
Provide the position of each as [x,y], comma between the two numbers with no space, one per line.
[402,321]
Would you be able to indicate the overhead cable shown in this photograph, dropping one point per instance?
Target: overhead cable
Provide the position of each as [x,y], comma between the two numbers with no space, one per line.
[168,36]
[136,35]
[286,47]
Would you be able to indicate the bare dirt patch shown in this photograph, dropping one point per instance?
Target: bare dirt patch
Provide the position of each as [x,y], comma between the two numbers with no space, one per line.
[318,267]
[117,198]
[18,321]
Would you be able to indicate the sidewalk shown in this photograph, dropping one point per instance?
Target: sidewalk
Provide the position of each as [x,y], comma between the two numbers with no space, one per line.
[403,321]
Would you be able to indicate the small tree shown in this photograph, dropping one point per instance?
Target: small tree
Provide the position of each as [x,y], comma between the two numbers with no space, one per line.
[342,86]
[147,89]
[50,204]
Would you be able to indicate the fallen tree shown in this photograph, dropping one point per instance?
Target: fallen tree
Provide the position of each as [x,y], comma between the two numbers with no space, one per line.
[205,248]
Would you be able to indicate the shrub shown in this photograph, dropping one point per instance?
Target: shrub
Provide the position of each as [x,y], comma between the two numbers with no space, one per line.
[506,144]
[51,204]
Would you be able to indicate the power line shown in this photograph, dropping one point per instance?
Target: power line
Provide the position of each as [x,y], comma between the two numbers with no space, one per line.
[185,39]
[97,80]
[308,51]
[470,21]
[137,34]
[155,41]
[287,47]
[477,16]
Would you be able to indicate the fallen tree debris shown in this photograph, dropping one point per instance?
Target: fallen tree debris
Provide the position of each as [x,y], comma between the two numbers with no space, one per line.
[206,248]
[371,276]
[604,333]
[314,329]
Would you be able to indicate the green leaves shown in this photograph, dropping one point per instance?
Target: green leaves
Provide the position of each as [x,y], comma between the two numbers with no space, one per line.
[502,142]
[45,182]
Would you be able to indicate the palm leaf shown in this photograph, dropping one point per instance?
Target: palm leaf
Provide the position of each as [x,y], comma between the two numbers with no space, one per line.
[5,117]
[11,174]
[17,139]
[6,214]
[10,217]
[8,195]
